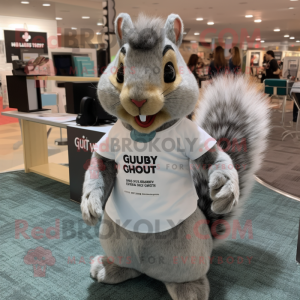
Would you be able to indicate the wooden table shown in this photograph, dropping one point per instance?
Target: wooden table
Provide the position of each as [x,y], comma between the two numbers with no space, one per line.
[35,147]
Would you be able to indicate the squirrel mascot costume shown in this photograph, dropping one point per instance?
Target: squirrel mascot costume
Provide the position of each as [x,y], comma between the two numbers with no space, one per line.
[165,180]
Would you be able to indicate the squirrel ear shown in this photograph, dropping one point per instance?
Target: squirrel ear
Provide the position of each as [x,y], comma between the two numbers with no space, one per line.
[123,24]
[174,29]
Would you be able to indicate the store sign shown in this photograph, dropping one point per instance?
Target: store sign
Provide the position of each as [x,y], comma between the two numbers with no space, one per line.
[27,45]
[23,45]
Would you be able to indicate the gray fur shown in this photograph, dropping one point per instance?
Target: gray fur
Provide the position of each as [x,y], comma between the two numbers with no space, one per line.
[96,191]
[170,31]
[232,108]
[194,290]
[228,110]
[147,70]
[126,26]
[216,168]
[147,33]
[104,270]
[179,241]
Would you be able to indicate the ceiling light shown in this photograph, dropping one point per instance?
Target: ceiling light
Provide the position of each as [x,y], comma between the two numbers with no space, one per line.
[292,38]
[257,21]
[249,16]
[25,2]
[210,23]
[46,4]
[291,7]
[199,19]
[73,28]
[85,17]
[58,18]
[258,39]
[262,41]
[297,41]
[293,0]
[277,29]
[196,33]
[99,24]
[98,33]
[286,35]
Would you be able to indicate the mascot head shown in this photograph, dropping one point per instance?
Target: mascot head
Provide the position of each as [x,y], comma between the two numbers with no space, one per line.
[148,84]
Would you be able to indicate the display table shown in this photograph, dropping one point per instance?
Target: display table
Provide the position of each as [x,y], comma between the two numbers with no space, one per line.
[35,148]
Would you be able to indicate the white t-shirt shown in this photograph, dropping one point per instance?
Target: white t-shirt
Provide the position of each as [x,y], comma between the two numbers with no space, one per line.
[154,190]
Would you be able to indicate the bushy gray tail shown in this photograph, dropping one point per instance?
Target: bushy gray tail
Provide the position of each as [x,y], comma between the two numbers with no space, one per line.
[235,113]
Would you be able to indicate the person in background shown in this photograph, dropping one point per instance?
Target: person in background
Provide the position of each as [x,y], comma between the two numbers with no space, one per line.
[200,66]
[218,65]
[201,71]
[194,64]
[263,70]
[235,61]
[272,69]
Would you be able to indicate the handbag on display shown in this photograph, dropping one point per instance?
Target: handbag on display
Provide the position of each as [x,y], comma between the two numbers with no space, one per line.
[24,68]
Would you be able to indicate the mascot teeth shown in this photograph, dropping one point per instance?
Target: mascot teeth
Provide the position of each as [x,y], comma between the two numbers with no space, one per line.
[142,118]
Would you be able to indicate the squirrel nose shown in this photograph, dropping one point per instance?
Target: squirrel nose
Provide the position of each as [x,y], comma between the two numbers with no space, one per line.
[138,103]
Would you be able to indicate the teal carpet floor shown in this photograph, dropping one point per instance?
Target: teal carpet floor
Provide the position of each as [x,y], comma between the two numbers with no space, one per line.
[262,267]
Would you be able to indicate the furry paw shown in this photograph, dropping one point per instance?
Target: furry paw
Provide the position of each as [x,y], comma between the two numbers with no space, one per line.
[91,207]
[194,290]
[224,191]
[104,270]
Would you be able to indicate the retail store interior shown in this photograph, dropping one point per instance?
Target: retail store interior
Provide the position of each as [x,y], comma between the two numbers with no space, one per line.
[239,62]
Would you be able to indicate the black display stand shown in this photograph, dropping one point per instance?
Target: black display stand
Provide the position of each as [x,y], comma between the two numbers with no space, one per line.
[79,157]
[20,94]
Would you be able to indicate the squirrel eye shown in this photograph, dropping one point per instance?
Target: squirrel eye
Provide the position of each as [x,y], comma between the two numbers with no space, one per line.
[120,74]
[169,73]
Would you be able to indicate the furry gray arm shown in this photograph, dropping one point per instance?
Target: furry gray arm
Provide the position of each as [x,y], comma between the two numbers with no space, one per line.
[217,168]
[96,189]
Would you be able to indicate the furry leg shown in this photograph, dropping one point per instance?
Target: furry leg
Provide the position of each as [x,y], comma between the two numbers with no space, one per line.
[194,290]
[107,272]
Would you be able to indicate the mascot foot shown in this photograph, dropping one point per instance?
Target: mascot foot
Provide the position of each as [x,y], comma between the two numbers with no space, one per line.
[106,271]
[194,290]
